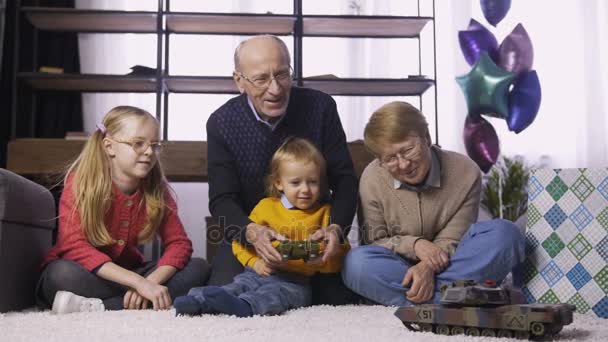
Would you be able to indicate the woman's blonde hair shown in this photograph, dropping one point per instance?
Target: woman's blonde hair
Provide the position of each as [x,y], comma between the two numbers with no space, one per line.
[393,123]
[92,182]
[294,149]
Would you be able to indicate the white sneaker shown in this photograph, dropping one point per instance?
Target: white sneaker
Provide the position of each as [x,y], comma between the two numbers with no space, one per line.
[67,302]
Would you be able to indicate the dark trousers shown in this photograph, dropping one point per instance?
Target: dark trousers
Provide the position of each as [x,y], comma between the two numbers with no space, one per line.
[327,288]
[67,275]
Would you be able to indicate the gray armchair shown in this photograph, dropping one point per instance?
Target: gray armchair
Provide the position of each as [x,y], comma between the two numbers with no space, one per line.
[27,220]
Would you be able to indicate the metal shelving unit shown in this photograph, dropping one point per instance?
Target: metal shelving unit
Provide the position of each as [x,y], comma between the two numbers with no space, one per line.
[164,24]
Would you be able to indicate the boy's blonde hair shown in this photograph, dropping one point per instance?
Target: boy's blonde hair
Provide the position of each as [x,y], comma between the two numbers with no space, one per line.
[393,123]
[92,182]
[294,149]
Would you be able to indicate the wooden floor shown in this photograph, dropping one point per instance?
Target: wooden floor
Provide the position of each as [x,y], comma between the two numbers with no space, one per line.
[183,161]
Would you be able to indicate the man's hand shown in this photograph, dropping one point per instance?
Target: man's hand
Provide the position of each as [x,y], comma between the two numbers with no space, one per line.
[262,269]
[431,254]
[260,237]
[422,280]
[134,301]
[331,238]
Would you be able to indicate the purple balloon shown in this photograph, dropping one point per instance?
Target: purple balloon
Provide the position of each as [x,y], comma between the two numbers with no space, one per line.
[481,142]
[516,53]
[475,25]
[495,10]
[475,40]
[524,101]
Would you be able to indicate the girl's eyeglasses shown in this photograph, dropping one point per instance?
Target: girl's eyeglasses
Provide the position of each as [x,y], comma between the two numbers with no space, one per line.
[139,145]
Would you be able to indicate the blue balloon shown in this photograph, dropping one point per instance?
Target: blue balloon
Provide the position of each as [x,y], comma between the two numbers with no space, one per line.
[475,40]
[495,10]
[524,101]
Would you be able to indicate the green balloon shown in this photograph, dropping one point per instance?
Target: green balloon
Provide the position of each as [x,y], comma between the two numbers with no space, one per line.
[486,88]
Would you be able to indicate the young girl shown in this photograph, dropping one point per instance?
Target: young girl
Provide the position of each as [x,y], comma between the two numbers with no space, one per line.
[295,185]
[116,197]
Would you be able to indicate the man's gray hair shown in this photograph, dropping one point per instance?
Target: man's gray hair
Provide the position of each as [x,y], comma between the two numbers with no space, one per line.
[237,51]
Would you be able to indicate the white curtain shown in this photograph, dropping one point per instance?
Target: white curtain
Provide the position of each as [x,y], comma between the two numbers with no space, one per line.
[570,39]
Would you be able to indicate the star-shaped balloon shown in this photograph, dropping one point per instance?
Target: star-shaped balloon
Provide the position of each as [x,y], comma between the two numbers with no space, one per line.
[486,88]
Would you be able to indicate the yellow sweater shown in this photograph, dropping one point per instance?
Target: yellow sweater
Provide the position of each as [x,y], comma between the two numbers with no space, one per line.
[294,224]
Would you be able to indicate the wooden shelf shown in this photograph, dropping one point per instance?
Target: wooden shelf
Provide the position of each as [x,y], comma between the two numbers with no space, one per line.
[364,26]
[105,21]
[234,24]
[89,82]
[218,85]
[201,84]
[370,86]
[98,21]
[183,161]
[333,86]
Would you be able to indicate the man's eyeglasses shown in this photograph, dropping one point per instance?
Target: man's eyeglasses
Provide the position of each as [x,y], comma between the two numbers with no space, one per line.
[140,146]
[263,81]
[409,153]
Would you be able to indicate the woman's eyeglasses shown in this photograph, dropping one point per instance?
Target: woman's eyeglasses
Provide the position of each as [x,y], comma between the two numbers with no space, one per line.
[407,154]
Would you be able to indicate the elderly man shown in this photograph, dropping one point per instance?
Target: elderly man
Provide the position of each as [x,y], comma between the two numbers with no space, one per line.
[243,134]
[419,204]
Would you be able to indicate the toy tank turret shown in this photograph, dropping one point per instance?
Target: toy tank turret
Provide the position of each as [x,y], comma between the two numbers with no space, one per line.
[469,308]
[469,293]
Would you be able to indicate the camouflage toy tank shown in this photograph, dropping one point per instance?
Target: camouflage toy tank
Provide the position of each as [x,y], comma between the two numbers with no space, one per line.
[473,309]
[294,250]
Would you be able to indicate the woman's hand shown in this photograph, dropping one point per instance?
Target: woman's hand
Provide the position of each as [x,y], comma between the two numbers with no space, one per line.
[155,293]
[422,280]
[431,254]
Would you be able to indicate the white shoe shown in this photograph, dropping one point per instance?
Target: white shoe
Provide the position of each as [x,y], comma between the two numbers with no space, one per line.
[67,302]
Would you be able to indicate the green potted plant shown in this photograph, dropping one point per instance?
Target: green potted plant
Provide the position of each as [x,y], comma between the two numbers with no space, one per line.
[505,190]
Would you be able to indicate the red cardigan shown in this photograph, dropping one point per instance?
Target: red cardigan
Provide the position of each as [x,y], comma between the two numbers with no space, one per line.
[124,221]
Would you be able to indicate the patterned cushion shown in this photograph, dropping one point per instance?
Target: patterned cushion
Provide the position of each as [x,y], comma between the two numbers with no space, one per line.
[567,239]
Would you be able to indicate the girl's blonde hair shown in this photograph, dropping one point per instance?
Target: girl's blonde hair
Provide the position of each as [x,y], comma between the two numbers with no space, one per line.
[294,149]
[393,123]
[92,182]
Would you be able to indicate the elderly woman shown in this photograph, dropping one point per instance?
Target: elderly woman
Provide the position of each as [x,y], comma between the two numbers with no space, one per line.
[419,204]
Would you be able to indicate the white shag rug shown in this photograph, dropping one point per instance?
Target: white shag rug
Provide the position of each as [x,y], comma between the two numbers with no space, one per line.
[313,324]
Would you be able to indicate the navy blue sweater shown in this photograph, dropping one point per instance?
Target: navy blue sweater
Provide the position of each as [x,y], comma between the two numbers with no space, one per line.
[240,149]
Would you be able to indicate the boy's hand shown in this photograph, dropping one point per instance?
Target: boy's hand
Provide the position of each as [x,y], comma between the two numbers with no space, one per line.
[260,267]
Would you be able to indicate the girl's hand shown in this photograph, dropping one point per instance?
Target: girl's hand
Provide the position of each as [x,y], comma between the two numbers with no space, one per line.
[134,301]
[260,267]
[157,294]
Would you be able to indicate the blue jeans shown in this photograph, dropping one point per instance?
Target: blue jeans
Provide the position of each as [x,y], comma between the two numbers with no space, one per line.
[488,250]
[271,295]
